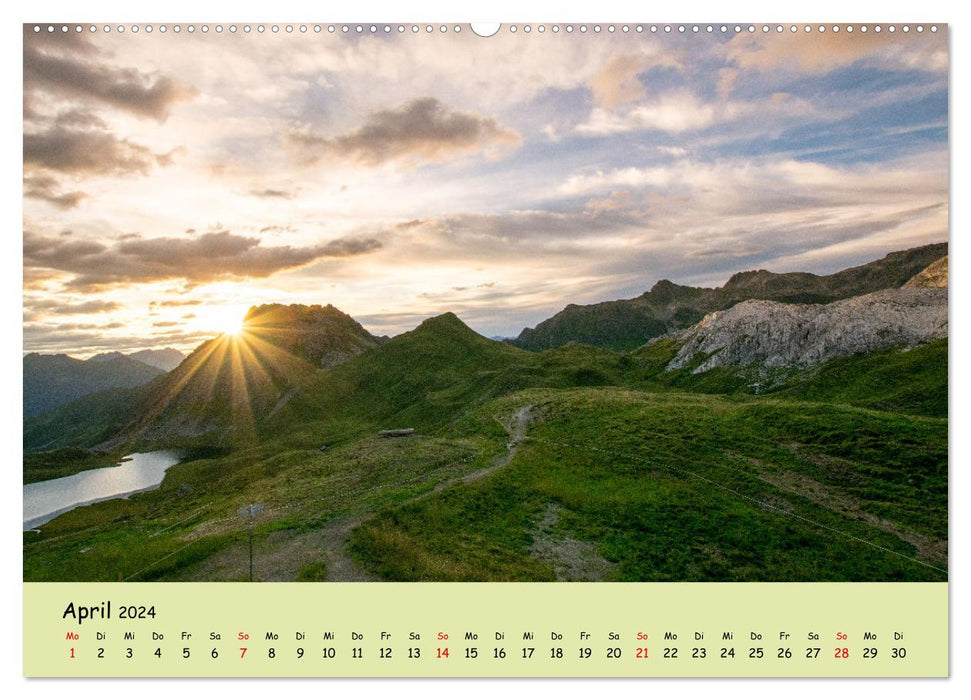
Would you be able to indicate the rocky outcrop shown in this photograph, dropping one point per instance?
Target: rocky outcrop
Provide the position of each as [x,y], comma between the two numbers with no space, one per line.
[777,335]
[934,275]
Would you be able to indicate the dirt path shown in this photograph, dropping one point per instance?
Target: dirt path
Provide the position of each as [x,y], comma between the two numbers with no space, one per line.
[336,537]
[572,559]
[517,431]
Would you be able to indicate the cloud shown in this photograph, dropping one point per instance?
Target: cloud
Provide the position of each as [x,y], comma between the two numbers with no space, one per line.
[514,230]
[695,222]
[271,193]
[673,151]
[94,306]
[275,228]
[75,341]
[90,152]
[47,188]
[617,82]
[204,258]
[680,112]
[176,302]
[672,113]
[419,131]
[72,73]
[751,185]
[819,53]
[35,309]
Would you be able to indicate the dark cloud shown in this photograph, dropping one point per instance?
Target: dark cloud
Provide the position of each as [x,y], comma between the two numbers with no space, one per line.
[94,306]
[176,302]
[48,189]
[197,260]
[78,151]
[79,119]
[65,42]
[277,229]
[517,230]
[61,327]
[270,193]
[420,130]
[65,66]
[38,309]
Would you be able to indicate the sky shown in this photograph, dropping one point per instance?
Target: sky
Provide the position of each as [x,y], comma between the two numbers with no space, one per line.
[171,181]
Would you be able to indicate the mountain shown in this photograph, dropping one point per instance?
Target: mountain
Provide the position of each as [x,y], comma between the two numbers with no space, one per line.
[324,336]
[778,335]
[421,377]
[166,359]
[226,385]
[54,380]
[668,307]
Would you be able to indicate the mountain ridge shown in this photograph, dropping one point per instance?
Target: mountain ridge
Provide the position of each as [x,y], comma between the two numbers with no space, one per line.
[165,359]
[50,381]
[669,307]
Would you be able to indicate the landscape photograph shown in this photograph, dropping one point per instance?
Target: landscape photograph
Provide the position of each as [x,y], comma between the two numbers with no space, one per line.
[566,303]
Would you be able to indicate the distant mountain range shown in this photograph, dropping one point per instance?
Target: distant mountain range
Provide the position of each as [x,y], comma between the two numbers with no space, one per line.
[668,307]
[165,359]
[293,364]
[54,380]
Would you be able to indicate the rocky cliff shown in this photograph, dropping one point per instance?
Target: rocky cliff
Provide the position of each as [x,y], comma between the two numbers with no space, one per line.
[777,335]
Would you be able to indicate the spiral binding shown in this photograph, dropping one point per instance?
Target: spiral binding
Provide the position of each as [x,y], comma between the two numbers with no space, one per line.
[416,29]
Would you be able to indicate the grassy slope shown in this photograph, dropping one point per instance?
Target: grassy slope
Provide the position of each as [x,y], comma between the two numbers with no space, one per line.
[188,528]
[679,487]
[914,381]
[85,422]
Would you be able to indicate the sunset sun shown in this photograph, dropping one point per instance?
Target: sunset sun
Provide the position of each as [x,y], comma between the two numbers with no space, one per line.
[230,323]
[224,319]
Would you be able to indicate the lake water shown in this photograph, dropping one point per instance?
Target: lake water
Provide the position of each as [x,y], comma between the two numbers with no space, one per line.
[45,500]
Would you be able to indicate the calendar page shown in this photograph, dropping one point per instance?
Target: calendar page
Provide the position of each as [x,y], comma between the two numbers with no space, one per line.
[485,350]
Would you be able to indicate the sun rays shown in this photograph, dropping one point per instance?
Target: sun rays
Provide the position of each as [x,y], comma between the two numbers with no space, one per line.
[241,374]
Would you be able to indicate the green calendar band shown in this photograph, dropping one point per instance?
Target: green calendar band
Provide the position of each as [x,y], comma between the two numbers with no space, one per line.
[487,630]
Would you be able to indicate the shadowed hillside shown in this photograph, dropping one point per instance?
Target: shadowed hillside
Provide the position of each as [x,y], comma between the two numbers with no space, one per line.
[54,380]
